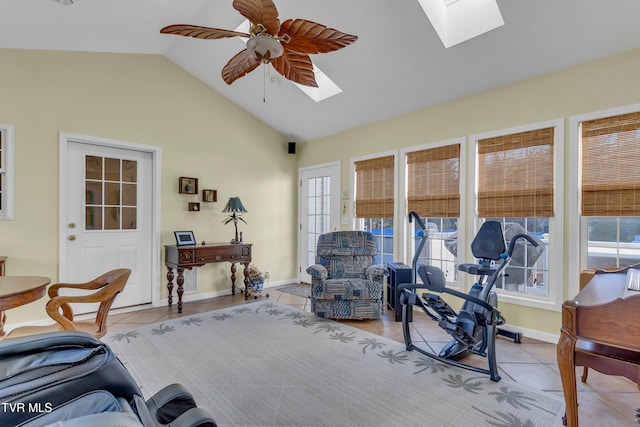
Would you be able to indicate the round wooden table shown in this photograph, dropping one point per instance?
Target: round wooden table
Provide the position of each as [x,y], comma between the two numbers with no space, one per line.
[19,290]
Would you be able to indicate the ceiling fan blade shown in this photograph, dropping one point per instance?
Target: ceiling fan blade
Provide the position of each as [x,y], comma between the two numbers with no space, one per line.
[311,37]
[199,32]
[238,66]
[296,67]
[259,12]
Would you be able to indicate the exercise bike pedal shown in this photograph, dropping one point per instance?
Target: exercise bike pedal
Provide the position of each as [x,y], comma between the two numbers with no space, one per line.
[438,305]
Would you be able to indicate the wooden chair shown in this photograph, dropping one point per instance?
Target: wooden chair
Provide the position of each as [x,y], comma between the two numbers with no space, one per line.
[107,287]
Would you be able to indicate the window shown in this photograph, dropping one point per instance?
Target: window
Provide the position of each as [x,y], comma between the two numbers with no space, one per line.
[318,202]
[517,185]
[374,201]
[528,272]
[610,190]
[433,192]
[111,193]
[6,172]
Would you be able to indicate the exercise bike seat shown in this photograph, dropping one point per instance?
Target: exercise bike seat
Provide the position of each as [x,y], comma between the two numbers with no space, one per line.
[488,246]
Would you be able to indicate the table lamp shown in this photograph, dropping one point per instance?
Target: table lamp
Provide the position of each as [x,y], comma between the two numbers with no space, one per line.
[234,205]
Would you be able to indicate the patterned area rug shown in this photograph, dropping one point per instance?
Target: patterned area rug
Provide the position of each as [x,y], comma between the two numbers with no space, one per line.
[300,289]
[266,364]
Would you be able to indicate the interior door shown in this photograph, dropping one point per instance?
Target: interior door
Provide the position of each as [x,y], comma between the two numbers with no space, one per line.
[319,198]
[108,217]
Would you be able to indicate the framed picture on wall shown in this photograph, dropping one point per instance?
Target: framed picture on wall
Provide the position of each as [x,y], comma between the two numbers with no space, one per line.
[184,238]
[188,185]
[209,195]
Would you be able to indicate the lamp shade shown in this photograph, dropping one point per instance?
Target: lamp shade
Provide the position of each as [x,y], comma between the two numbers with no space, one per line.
[234,205]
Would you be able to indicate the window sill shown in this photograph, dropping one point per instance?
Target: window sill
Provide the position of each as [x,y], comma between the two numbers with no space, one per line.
[543,303]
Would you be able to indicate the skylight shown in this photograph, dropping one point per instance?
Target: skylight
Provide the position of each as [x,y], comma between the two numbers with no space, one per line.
[457,21]
[326,87]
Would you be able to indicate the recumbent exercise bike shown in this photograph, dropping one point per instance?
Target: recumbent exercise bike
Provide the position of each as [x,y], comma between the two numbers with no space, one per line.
[475,326]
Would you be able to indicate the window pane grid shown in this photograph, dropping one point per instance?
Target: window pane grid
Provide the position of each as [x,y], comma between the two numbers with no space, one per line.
[110,194]
[441,247]
[318,213]
[613,242]
[528,271]
[382,230]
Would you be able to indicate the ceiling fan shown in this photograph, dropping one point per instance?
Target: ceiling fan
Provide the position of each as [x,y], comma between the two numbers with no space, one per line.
[285,45]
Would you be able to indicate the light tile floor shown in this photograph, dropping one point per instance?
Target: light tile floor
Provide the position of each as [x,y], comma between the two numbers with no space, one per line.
[604,400]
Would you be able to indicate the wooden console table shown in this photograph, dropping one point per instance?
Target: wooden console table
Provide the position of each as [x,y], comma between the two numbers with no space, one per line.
[600,330]
[181,257]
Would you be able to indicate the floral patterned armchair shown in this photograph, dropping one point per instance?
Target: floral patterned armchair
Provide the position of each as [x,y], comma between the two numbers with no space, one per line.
[345,282]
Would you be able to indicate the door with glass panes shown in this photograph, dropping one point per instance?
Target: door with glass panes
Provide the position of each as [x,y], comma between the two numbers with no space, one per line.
[108,218]
[319,198]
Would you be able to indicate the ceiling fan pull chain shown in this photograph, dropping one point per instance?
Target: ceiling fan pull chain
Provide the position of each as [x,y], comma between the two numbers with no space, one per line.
[264,83]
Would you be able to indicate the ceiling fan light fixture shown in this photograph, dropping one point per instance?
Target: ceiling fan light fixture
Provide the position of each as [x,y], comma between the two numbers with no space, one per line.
[265,48]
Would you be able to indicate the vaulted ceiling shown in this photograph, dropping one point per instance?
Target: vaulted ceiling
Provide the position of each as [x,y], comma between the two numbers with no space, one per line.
[397,65]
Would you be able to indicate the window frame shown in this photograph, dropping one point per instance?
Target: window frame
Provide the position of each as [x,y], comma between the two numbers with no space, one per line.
[578,239]
[553,301]
[406,228]
[7,166]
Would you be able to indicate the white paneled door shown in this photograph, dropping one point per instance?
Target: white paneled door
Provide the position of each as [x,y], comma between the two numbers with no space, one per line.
[107,217]
[319,198]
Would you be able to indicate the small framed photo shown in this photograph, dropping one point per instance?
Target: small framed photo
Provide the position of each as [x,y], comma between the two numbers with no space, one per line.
[188,185]
[184,238]
[209,195]
[194,207]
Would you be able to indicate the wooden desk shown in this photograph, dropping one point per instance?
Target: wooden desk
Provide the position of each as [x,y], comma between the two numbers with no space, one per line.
[19,290]
[600,330]
[181,257]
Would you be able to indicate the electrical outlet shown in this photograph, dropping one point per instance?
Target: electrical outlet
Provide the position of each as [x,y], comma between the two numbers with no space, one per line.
[266,275]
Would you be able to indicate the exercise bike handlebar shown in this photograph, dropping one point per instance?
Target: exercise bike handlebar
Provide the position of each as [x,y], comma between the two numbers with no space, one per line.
[414,215]
[515,238]
[424,236]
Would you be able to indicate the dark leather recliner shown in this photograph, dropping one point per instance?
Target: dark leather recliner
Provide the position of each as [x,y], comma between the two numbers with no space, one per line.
[62,377]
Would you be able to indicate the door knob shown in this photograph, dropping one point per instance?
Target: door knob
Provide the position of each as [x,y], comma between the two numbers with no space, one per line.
[72,237]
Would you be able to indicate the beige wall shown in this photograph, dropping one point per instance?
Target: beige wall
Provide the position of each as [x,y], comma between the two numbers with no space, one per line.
[146,99]
[607,83]
[143,99]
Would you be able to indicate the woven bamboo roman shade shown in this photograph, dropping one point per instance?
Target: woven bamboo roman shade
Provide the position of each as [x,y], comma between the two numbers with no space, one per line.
[433,182]
[515,175]
[610,164]
[374,188]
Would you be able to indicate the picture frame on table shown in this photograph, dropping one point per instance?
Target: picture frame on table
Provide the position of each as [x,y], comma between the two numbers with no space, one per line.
[184,238]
